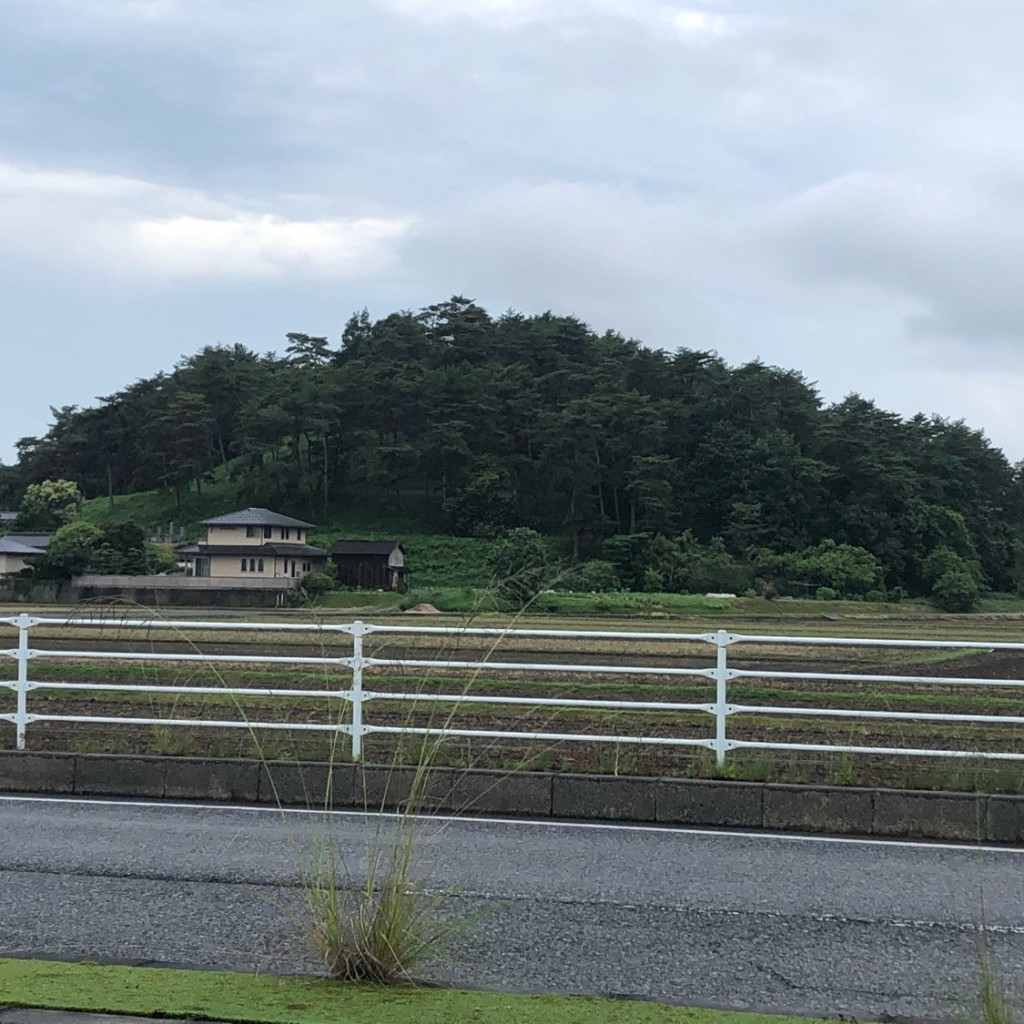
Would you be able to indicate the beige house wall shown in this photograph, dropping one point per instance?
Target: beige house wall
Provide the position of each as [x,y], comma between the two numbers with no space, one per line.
[255,535]
[234,535]
[273,567]
[12,563]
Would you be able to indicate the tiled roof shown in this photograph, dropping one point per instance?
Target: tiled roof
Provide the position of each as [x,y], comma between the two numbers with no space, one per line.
[365,547]
[14,547]
[39,541]
[283,550]
[256,517]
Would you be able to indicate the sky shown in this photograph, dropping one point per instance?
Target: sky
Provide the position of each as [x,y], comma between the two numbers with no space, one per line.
[833,186]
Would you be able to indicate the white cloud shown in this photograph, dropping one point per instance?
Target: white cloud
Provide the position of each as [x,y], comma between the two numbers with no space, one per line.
[695,25]
[497,12]
[126,227]
[252,246]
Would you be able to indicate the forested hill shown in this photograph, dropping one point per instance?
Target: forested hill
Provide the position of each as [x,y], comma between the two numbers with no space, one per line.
[538,421]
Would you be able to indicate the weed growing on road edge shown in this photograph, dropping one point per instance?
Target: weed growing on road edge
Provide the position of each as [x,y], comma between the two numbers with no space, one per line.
[993,1005]
[378,930]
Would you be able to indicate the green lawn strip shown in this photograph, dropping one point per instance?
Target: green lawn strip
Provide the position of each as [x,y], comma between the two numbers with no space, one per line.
[284,1000]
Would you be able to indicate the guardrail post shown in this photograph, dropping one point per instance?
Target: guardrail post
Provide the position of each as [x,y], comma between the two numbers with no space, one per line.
[358,630]
[21,711]
[721,684]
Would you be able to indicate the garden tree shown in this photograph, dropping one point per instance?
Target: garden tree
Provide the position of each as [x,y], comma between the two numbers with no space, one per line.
[69,553]
[49,505]
[121,549]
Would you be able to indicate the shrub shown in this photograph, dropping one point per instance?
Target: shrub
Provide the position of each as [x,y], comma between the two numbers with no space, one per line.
[826,594]
[875,596]
[316,584]
[596,577]
[956,591]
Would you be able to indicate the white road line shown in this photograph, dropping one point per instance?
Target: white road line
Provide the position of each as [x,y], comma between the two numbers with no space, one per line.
[604,826]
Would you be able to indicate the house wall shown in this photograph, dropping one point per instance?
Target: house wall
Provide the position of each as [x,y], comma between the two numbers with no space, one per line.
[235,535]
[12,563]
[230,566]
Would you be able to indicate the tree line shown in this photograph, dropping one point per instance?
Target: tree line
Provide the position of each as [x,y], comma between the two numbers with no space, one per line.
[540,422]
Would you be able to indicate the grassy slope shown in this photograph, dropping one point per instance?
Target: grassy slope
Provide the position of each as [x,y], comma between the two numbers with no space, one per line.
[437,559]
[451,572]
[264,998]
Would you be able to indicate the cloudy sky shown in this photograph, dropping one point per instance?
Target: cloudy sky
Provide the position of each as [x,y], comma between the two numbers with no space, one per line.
[831,185]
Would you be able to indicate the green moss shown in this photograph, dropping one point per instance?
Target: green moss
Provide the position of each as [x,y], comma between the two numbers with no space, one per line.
[265,999]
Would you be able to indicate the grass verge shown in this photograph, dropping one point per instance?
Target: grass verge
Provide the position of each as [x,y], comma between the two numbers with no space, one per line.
[265,999]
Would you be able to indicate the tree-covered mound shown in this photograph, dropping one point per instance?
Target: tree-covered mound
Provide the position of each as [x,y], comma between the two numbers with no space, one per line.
[671,463]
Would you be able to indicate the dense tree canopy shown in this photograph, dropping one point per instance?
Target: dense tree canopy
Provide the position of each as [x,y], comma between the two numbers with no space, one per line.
[540,422]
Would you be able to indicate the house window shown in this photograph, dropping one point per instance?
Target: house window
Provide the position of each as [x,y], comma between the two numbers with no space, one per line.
[298,535]
[305,566]
[252,565]
[268,532]
[244,565]
[259,565]
[252,531]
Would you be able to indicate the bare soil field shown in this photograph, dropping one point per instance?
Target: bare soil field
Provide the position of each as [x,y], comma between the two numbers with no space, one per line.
[655,685]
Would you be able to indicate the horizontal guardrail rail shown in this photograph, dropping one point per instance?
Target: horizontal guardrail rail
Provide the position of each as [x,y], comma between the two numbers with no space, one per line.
[353,694]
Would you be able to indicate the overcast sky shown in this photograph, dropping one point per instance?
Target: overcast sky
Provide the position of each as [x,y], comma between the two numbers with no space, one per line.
[835,186]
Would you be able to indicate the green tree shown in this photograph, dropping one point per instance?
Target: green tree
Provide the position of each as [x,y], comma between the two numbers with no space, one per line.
[70,552]
[956,591]
[49,505]
[520,565]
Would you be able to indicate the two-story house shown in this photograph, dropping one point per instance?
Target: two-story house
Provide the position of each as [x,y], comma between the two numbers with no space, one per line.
[254,543]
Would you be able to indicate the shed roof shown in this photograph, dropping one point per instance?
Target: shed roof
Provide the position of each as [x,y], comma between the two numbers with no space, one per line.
[256,517]
[365,547]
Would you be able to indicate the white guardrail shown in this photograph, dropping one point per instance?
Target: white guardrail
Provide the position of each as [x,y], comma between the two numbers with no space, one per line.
[720,674]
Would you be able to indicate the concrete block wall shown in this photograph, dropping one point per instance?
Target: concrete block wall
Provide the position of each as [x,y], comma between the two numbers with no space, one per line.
[833,810]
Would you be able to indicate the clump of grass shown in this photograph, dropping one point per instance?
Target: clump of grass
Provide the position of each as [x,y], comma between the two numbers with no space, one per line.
[379,930]
[993,1005]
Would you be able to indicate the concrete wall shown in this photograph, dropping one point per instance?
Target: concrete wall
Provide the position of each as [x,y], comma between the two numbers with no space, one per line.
[144,591]
[918,814]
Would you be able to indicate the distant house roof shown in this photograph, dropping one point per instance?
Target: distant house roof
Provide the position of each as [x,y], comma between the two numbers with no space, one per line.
[365,547]
[255,550]
[8,517]
[37,541]
[256,517]
[14,547]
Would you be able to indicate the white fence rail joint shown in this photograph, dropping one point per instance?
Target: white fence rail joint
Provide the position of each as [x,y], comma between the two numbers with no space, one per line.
[721,709]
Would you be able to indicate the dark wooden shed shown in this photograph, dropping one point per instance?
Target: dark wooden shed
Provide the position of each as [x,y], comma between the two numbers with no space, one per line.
[370,564]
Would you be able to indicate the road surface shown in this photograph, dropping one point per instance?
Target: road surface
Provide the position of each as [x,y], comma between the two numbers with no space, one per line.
[805,924]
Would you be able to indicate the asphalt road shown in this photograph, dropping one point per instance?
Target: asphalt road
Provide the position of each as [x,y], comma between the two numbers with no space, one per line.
[868,929]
